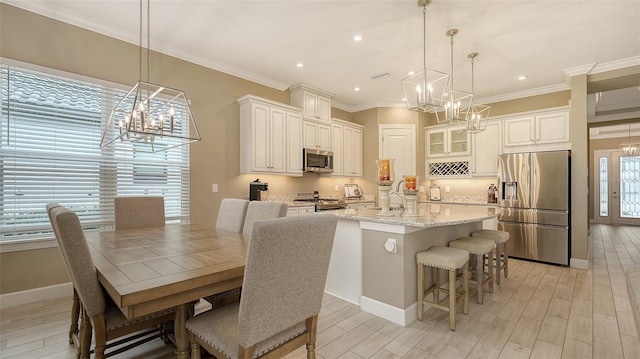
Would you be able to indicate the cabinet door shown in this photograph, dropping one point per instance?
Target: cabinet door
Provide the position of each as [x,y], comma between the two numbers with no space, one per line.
[294,143]
[278,140]
[260,133]
[519,131]
[357,152]
[310,133]
[436,145]
[458,142]
[310,105]
[349,148]
[487,146]
[552,127]
[324,137]
[323,109]
[337,143]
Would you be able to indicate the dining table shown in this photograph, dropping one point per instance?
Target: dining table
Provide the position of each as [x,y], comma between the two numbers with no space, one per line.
[146,270]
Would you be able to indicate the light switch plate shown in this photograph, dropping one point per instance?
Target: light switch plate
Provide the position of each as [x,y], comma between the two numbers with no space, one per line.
[214,187]
[447,189]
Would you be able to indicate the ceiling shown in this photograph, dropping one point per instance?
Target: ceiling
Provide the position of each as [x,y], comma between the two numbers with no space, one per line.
[263,40]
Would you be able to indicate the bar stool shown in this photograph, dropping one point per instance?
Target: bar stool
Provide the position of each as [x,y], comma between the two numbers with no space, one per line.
[502,251]
[450,259]
[481,248]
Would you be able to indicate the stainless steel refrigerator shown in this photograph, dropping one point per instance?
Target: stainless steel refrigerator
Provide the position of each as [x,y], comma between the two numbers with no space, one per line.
[534,195]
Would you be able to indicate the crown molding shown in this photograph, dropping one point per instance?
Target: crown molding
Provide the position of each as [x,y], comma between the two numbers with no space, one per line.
[578,70]
[616,65]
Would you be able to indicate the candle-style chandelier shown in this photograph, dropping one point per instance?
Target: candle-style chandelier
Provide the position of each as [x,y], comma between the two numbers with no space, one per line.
[424,90]
[150,117]
[456,103]
[630,148]
[475,120]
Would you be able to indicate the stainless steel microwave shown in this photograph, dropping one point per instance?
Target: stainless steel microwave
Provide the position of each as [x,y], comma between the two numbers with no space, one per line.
[315,160]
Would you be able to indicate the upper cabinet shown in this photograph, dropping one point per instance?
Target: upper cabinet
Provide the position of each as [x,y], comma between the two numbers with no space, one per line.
[317,135]
[270,137]
[346,138]
[548,130]
[447,141]
[486,147]
[315,104]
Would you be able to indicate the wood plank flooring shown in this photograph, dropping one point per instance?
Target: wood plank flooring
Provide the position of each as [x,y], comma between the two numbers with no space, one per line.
[540,311]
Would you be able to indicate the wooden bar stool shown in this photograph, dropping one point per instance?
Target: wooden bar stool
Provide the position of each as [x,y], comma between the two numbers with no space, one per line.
[481,248]
[502,250]
[450,259]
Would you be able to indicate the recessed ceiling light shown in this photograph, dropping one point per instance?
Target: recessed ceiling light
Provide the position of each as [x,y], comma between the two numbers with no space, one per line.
[356,88]
[411,73]
[357,38]
[522,77]
[299,64]
[404,99]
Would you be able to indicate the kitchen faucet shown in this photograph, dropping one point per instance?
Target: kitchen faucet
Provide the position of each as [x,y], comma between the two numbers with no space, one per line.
[397,193]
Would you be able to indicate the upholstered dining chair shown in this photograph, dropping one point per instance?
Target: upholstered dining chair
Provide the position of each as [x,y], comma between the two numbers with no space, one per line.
[261,210]
[284,279]
[75,304]
[231,214]
[138,212]
[99,313]
[256,211]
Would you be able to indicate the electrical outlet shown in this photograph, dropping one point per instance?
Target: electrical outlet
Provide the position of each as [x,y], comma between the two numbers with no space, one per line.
[335,188]
[447,189]
[214,187]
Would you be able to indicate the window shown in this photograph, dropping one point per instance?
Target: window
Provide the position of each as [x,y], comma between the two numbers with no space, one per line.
[50,131]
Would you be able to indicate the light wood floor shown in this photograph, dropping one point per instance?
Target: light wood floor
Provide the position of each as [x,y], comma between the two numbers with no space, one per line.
[540,311]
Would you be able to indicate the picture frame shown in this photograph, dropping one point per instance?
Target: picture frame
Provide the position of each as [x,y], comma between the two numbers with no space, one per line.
[352,190]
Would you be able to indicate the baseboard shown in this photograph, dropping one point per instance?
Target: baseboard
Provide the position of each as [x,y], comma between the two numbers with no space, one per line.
[343,298]
[393,314]
[579,263]
[35,295]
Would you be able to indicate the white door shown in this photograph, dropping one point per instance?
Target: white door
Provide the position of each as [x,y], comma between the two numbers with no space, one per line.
[399,142]
[617,188]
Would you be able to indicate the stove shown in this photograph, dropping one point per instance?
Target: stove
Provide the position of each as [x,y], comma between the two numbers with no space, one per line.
[322,204]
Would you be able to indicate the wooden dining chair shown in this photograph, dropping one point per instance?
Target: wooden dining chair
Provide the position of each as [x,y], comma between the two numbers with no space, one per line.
[284,278]
[231,214]
[138,212]
[256,211]
[261,210]
[99,313]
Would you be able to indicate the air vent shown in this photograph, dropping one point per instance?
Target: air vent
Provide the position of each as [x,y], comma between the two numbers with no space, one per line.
[380,76]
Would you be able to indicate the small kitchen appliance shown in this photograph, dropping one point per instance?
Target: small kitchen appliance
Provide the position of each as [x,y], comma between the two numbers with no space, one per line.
[318,161]
[322,204]
[256,188]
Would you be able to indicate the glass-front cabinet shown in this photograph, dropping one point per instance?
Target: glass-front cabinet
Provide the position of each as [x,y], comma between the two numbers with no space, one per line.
[447,141]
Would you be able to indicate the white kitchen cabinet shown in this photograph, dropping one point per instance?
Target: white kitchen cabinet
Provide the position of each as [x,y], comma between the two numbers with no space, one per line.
[347,148]
[270,135]
[547,130]
[315,104]
[486,147]
[300,211]
[447,141]
[316,135]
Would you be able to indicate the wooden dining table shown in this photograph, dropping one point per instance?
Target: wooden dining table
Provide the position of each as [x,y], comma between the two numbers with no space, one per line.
[151,269]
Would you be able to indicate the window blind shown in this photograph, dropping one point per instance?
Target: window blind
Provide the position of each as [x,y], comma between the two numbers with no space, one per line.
[50,129]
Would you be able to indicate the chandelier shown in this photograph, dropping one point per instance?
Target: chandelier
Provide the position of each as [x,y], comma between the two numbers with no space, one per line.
[150,117]
[424,90]
[630,148]
[456,102]
[475,119]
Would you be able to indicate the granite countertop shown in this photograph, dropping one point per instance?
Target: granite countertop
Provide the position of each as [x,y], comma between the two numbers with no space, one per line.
[429,215]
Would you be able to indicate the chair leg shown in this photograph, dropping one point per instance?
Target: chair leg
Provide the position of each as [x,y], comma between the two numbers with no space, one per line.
[85,336]
[479,275]
[312,327]
[452,299]
[465,288]
[420,290]
[498,262]
[438,281]
[75,316]
[506,260]
[490,271]
[195,348]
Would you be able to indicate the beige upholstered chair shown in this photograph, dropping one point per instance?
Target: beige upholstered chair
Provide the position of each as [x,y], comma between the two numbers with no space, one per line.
[75,305]
[98,312]
[261,210]
[502,249]
[138,212]
[284,280]
[231,214]
[482,250]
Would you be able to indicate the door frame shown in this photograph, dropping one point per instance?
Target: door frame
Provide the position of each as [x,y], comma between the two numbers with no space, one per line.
[613,189]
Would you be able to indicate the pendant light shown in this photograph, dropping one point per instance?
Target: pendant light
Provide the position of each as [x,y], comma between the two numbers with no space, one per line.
[456,103]
[476,119]
[424,90]
[150,117]
[630,148]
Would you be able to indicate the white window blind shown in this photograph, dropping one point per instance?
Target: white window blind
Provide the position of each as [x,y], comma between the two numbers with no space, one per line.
[50,129]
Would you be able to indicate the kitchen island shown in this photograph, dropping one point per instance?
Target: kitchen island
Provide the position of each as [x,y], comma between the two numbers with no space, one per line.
[373,260]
